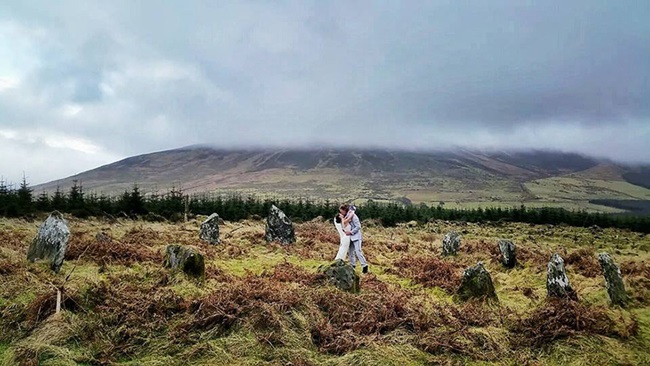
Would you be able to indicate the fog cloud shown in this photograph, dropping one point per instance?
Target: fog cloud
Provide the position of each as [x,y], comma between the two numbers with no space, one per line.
[83,83]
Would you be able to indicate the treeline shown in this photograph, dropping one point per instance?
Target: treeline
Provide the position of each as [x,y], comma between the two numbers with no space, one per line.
[174,205]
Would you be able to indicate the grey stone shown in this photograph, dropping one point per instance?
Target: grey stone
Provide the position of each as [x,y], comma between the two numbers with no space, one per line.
[508,253]
[451,243]
[476,284]
[557,282]
[613,280]
[186,259]
[279,227]
[341,275]
[51,241]
[210,229]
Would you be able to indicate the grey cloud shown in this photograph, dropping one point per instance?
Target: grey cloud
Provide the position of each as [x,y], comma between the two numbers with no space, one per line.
[154,75]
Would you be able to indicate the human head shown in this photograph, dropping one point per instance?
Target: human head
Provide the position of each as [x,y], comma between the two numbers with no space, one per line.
[343,209]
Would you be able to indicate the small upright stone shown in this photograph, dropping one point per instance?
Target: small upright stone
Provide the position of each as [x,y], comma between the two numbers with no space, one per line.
[279,227]
[51,241]
[476,284]
[508,257]
[613,280]
[210,229]
[557,282]
[341,275]
[185,259]
[451,243]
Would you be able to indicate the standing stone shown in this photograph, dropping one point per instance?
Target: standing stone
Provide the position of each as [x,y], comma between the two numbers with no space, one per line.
[476,284]
[341,275]
[557,282]
[451,243]
[508,257]
[51,241]
[210,229]
[186,259]
[279,227]
[613,280]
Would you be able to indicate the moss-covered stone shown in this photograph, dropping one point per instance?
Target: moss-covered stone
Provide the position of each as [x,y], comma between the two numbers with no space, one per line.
[341,275]
[508,253]
[279,227]
[186,259]
[476,284]
[51,241]
[557,281]
[210,229]
[613,280]
[451,243]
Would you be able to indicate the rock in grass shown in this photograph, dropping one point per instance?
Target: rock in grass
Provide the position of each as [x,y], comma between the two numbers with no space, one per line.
[613,280]
[508,255]
[557,282]
[476,284]
[279,227]
[451,243]
[51,241]
[341,275]
[186,259]
[210,229]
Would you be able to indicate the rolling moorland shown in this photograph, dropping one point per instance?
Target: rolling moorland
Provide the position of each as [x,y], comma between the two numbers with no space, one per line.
[265,303]
[459,179]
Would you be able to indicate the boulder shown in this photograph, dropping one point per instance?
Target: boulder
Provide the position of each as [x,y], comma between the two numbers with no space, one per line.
[210,229]
[557,282]
[476,284]
[186,259]
[508,257]
[51,241]
[613,280]
[279,227]
[341,275]
[451,243]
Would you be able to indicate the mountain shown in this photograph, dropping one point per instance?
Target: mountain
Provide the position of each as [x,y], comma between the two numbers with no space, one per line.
[458,179]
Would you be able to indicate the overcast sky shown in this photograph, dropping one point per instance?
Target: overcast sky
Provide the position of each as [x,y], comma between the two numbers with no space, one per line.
[84,83]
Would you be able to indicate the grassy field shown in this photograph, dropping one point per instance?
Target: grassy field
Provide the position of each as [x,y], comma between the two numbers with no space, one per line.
[264,304]
[569,192]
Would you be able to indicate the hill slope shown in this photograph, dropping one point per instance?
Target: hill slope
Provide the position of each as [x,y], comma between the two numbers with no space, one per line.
[461,178]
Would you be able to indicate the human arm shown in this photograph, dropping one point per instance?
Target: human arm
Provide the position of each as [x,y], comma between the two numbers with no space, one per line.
[348,217]
[356,226]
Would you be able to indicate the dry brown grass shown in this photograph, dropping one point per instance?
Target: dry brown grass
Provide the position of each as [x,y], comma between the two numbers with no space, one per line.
[635,269]
[584,261]
[259,302]
[558,319]
[429,271]
[265,303]
[104,250]
[14,240]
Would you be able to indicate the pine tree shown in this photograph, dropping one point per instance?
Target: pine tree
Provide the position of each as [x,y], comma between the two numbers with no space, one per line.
[76,199]
[42,203]
[58,200]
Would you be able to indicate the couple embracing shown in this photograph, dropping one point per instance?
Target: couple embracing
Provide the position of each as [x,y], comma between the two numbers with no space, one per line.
[349,227]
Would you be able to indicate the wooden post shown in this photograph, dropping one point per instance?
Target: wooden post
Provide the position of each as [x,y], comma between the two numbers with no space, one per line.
[187,206]
[58,300]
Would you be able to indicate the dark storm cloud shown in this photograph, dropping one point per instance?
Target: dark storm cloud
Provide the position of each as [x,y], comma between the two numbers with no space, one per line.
[120,78]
